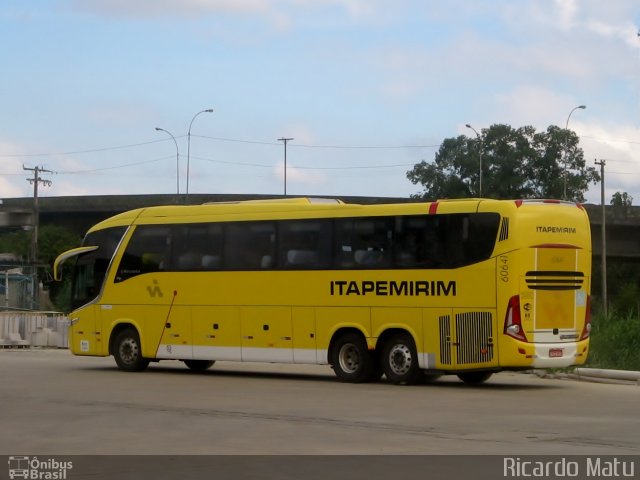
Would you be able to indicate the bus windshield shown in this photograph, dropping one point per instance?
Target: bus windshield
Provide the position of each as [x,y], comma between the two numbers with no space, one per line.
[91,267]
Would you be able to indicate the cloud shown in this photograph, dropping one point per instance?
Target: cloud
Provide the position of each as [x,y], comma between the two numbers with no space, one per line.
[298,176]
[168,8]
[12,177]
[277,13]
[610,143]
[566,13]
[534,105]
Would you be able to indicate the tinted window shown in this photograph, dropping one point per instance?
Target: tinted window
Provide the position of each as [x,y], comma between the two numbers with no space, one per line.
[420,241]
[148,250]
[91,268]
[363,242]
[197,247]
[304,244]
[444,241]
[249,246]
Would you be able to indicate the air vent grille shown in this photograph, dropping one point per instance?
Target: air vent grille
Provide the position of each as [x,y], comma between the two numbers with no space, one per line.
[554,280]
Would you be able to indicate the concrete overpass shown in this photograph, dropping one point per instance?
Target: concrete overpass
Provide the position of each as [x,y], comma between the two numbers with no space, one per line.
[79,213]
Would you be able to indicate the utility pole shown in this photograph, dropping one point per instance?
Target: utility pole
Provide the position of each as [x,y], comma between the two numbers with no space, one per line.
[285,140]
[35,181]
[602,163]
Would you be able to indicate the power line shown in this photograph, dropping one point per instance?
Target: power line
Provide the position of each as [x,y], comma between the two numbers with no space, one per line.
[257,142]
[78,152]
[245,164]
[125,165]
[303,145]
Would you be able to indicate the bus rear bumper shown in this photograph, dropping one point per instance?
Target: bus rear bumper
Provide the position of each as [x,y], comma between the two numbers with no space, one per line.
[548,355]
[554,355]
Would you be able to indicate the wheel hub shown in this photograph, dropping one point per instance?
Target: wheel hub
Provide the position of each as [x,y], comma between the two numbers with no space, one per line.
[129,350]
[349,358]
[400,359]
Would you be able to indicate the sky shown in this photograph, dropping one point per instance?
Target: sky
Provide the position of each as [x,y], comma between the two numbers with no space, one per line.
[365,88]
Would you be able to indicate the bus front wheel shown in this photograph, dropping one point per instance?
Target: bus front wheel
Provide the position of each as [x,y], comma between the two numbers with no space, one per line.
[128,352]
[400,360]
[199,365]
[351,360]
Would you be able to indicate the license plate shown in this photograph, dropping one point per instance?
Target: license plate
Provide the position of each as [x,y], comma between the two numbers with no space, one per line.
[556,352]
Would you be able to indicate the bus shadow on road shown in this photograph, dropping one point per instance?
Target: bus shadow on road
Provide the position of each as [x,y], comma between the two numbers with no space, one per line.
[524,382]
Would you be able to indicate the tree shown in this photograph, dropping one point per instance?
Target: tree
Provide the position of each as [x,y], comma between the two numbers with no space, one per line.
[516,163]
[16,242]
[52,240]
[621,201]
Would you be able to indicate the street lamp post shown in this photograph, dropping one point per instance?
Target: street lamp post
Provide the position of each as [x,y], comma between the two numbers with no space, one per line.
[566,127]
[177,158]
[480,155]
[285,141]
[208,110]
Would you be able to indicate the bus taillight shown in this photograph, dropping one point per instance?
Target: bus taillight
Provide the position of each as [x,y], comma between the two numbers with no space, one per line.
[512,320]
[586,331]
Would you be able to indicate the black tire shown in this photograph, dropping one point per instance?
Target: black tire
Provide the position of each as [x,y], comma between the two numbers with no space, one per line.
[474,378]
[400,360]
[127,351]
[199,365]
[351,360]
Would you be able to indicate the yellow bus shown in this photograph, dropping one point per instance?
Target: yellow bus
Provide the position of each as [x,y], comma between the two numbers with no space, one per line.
[466,287]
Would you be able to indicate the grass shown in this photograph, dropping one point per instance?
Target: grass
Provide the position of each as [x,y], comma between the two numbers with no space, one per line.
[615,342]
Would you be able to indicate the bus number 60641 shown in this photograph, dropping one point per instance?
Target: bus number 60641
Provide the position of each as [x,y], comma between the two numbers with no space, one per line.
[503,262]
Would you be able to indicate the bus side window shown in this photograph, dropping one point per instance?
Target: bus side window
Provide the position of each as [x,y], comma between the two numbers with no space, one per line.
[198,247]
[343,248]
[409,242]
[304,244]
[483,233]
[249,246]
[148,251]
[362,243]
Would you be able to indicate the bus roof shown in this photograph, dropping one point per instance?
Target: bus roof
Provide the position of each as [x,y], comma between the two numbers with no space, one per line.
[303,207]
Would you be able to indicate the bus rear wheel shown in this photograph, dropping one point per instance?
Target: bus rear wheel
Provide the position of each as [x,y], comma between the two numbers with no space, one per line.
[474,378]
[199,365]
[127,351]
[351,360]
[400,360]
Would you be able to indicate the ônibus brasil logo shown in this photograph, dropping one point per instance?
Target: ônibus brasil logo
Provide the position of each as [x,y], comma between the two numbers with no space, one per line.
[38,469]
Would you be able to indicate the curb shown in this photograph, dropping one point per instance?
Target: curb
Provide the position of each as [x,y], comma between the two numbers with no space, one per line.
[596,375]
[627,377]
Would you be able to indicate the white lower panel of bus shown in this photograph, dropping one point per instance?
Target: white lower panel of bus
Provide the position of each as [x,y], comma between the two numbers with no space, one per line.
[554,355]
[427,360]
[238,354]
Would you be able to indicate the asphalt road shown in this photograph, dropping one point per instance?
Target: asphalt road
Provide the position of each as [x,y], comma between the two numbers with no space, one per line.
[54,403]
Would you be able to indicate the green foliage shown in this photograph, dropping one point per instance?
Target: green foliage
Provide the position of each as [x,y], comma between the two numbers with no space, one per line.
[621,199]
[623,286]
[516,163]
[52,241]
[621,202]
[615,342]
[15,242]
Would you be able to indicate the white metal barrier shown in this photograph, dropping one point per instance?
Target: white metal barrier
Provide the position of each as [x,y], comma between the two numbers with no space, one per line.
[33,329]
